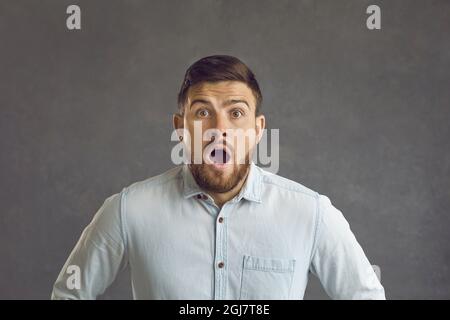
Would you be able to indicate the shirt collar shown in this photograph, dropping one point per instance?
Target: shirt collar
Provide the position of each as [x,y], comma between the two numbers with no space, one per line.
[251,189]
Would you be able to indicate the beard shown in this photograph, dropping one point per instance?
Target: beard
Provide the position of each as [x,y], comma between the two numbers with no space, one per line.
[217,181]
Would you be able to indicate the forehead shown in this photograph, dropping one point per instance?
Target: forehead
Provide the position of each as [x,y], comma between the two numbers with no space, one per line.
[221,91]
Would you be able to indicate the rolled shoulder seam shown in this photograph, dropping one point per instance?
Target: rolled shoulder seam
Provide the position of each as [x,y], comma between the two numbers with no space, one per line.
[123,221]
[318,217]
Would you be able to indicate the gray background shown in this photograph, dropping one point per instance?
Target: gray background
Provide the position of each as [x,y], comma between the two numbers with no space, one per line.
[364,118]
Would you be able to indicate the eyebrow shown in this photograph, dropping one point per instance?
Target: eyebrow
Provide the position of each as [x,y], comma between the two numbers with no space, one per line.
[226,103]
[234,101]
[199,101]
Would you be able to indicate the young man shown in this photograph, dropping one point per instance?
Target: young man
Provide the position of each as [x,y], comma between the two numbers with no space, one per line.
[218,226]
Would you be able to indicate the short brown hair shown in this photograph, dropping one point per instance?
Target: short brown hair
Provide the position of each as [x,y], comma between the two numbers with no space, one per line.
[219,68]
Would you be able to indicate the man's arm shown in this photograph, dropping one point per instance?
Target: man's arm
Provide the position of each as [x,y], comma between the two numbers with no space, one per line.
[339,261]
[98,256]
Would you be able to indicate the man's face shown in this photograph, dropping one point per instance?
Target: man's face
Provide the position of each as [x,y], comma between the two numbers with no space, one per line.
[227,110]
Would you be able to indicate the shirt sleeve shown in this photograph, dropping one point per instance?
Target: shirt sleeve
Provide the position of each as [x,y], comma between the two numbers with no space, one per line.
[97,257]
[339,261]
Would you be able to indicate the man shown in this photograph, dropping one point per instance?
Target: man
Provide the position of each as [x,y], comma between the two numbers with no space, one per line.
[218,226]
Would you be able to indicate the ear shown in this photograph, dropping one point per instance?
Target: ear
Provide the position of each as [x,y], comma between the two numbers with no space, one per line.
[178,125]
[178,121]
[260,126]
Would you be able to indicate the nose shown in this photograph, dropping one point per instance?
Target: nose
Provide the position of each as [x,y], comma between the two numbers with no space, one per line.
[222,124]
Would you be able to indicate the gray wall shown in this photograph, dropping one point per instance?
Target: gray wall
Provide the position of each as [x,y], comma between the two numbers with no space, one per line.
[364,118]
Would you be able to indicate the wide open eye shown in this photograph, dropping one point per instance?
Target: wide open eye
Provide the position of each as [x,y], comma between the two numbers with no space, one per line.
[236,113]
[202,113]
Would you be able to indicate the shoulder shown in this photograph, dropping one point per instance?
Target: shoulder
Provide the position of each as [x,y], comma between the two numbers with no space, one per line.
[168,179]
[299,196]
[275,181]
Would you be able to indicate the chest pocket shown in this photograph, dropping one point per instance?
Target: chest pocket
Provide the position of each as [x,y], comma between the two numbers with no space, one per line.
[266,278]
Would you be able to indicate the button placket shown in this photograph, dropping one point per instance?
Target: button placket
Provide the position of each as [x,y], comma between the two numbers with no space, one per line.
[221,256]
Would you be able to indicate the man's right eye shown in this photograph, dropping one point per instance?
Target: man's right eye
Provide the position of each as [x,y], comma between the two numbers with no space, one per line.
[202,113]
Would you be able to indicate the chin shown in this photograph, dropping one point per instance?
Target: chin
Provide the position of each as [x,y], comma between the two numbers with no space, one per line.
[222,180]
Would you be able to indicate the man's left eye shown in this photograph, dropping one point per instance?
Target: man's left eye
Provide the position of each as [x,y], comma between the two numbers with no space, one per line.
[236,113]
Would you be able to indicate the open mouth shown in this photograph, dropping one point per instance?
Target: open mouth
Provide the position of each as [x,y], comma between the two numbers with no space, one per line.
[219,156]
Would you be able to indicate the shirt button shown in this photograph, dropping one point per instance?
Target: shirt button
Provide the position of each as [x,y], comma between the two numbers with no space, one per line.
[220,264]
[220,220]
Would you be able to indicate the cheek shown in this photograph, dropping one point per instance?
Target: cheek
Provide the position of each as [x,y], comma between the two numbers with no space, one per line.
[244,144]
[251,144]
[198,125]
[196,142]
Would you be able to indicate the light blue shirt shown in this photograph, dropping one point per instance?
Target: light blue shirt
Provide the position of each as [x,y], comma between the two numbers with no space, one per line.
[262,244]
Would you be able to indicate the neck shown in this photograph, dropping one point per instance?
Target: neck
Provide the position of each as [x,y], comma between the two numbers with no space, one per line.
[221,198]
